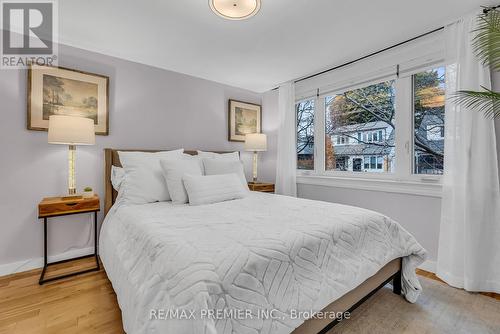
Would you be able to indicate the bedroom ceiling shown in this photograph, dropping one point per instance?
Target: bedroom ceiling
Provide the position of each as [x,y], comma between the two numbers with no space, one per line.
[287,39]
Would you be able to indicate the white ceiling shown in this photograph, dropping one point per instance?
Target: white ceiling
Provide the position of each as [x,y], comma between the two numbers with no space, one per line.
[287,39]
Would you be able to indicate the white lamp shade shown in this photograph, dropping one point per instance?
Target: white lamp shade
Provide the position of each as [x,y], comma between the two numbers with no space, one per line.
[256,142]
[71,130]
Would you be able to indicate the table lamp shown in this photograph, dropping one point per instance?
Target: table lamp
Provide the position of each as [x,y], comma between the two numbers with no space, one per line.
[72,131]
[255,142]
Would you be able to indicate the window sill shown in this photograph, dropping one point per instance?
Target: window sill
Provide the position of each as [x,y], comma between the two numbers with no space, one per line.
[389,186]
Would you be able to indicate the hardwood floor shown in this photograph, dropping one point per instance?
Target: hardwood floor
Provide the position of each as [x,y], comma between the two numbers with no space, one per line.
[81,304]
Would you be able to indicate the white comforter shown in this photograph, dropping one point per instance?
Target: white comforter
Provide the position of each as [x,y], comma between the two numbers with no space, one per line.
[262,252]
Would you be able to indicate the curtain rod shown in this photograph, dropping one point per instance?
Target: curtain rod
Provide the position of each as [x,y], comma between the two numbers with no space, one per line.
[370,55]
[486,10]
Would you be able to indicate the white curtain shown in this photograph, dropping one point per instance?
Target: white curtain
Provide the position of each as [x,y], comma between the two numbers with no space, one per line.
[286,165]
[469,240]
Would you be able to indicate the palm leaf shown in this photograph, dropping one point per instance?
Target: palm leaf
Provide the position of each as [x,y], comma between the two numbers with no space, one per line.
[486,42]
[486,101]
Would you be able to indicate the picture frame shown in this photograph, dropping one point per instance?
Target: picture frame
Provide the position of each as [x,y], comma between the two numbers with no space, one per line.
[63,91]
[243,118]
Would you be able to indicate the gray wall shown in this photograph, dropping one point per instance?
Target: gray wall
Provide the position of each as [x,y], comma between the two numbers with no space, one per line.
[149,108]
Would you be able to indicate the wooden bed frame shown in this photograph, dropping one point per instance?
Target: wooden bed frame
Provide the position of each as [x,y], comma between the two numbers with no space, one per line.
[391,272]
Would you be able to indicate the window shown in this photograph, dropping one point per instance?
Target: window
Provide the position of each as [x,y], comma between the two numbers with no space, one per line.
[428,121]
[352,132]
[305,134]
[341,164]
[340,140]
[435,132]
[355,122]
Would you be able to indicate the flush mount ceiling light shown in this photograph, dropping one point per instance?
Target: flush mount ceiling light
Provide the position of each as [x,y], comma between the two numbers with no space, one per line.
[235,9]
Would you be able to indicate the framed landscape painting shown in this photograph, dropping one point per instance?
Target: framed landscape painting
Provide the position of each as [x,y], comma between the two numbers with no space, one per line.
[62,91]
[243,118]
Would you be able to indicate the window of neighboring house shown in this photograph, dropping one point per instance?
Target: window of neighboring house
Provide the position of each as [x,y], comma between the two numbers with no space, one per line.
[340,140]
[428,121]
[305,134]
[341,163]
[380,162]
[358,116]
[435,132]
[375,163]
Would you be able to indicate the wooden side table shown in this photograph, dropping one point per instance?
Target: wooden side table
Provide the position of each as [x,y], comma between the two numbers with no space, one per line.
[261,186]
[60,206]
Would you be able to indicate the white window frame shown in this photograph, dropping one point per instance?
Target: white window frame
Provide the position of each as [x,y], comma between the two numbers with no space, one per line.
[402,179]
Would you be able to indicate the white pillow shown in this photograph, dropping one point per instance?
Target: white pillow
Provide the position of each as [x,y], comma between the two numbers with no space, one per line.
[213,188]
[224,166]
[144,181]
[235,156]
[173,170]
[117,177]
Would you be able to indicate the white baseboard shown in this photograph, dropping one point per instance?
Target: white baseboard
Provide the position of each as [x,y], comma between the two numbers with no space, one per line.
[428,266]
[16,267]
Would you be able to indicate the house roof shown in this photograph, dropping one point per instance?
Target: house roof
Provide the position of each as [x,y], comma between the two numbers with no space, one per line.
[362,149]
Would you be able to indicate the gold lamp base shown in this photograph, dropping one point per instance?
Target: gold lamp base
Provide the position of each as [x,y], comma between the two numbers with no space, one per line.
[71,174]
[254,166]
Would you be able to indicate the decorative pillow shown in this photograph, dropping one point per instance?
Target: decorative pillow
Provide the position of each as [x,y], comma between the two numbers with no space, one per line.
[117,177]
[213,188]
[173,170]
[144,181]
[225,166]
[235,156]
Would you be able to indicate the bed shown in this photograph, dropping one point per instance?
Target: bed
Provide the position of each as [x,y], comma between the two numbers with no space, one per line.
[262,264]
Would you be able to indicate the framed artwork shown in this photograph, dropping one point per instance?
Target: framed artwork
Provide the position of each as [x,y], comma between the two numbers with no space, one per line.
[243,118]
[62,91]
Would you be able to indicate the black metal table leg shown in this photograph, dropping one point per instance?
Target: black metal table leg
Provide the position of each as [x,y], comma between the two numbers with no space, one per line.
[95,241]
[46,264]
[40,281]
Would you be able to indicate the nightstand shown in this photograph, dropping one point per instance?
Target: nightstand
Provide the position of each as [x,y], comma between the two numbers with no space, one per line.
[261,186]
[51,207]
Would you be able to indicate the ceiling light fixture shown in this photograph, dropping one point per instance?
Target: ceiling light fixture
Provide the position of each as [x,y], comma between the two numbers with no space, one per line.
[235,9]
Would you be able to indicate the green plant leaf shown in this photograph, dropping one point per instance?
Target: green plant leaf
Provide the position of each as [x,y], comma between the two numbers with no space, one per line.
[487,101]
[486,41]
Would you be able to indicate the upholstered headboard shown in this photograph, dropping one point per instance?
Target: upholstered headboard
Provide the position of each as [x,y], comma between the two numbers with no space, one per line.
[111,158]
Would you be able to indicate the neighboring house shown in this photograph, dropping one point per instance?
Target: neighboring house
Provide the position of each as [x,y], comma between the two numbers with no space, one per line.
[431,134]
[367,147]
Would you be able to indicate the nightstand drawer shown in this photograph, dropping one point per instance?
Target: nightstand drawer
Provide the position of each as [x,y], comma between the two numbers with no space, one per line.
[262,187]
[54,206]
